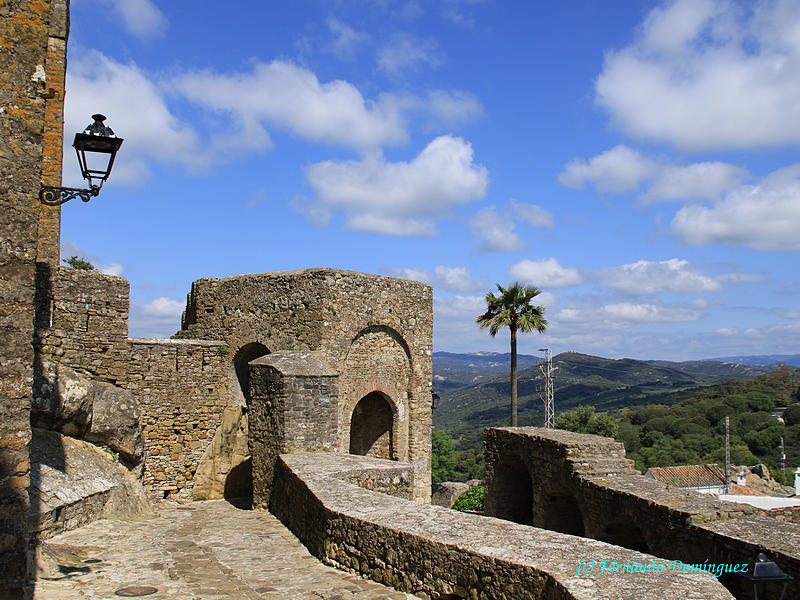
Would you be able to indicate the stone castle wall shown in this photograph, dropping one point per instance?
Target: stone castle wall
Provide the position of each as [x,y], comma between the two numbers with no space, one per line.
[181,386]
[33,37]
[182,390]
[330,503]
[375,333]
[583,485]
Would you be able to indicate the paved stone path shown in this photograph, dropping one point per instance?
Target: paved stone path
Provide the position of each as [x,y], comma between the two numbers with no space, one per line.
[199,551]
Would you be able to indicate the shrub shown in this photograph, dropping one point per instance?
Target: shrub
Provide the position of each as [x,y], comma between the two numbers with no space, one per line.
[472,499]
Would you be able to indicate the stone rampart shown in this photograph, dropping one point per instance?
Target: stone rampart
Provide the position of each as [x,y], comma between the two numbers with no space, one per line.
[182,389]
[435,552]
[374,333]
[583,485]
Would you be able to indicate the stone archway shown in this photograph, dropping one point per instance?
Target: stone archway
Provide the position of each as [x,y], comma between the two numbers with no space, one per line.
[372,427]
[240,373]
[513,491]
[560,512]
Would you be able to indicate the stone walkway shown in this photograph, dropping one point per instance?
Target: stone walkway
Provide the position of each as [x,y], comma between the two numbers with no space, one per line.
[199,551]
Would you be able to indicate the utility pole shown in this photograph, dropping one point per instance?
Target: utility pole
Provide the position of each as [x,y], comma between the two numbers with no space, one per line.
[727,455]
[549,403]
[783,459]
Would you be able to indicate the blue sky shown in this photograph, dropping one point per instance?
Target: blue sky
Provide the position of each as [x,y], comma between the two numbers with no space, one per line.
[637,160]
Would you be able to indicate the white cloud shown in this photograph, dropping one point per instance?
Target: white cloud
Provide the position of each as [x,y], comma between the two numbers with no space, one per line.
[136,111]
[648,277]
[532,214]
[624,314]
[406,51]
[401,198]
[69,249]
[291,97]
[453,106]
[764,217]
[545,273]
[346,39]
[494,232]
[708,74]
[706,180]
[727,331]
[141,17]
[454,279]
[157,319]
[112,269]
[736,278]
[617,170]
[622,169]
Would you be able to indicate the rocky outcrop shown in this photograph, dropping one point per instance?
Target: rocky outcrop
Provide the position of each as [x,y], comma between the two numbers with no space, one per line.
[104,414]
[74,482]
[445,493]
[221,471]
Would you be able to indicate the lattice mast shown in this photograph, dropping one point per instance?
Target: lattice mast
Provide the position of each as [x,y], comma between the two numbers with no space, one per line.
[727,455]
[547,393]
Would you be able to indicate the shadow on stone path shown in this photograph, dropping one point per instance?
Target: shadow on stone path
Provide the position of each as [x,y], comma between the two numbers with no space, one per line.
[199,551]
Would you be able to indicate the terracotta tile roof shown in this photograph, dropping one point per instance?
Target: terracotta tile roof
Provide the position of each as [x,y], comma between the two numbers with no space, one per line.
[688,476]
[742,490]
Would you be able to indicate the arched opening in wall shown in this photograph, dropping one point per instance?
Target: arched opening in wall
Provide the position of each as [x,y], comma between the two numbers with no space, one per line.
[560,512]
[371,427]
[626,534]
[513,491]
[239,485]
[240,373]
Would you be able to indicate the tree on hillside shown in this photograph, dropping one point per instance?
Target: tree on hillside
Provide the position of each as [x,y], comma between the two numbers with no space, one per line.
[512,308]
[584,419]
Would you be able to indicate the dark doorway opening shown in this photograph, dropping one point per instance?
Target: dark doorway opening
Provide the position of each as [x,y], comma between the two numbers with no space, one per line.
[626,534]
[371,427]
[562,513]
[243,356]
[239,485]
[513,491]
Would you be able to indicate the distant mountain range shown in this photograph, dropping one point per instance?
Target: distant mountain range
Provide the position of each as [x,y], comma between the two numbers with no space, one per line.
[474,388]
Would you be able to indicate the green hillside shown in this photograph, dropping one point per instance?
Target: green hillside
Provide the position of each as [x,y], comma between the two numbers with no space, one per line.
[607,384]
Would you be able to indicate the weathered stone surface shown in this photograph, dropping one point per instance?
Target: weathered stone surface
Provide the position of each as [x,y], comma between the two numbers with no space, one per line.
[227,451]
[583,485]
[432,551]
[445,493]
[63,401]
[115,422]
[32,41]
[203,550]
[74,482]
[99,412]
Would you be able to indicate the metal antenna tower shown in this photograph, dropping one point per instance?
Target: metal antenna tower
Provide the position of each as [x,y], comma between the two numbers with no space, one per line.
[727,455]
[547,372]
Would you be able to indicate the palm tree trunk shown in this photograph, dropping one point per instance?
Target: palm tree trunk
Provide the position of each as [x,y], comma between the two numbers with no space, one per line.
[513,376]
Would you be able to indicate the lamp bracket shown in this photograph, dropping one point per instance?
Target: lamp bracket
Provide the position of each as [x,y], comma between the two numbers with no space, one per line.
[51,195]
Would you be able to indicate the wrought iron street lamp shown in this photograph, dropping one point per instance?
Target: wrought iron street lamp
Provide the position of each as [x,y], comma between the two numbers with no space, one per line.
[761,571]
[96,147]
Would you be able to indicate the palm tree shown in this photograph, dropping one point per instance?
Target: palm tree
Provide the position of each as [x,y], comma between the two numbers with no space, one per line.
[512,308]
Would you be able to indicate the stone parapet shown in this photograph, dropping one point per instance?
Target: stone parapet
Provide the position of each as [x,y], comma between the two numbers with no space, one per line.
[435,552]
[583,485]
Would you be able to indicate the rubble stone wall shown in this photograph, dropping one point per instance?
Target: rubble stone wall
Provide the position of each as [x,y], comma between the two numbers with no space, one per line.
[583,485]
[33,37]
[435,552]
[182,389]
[376,333]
